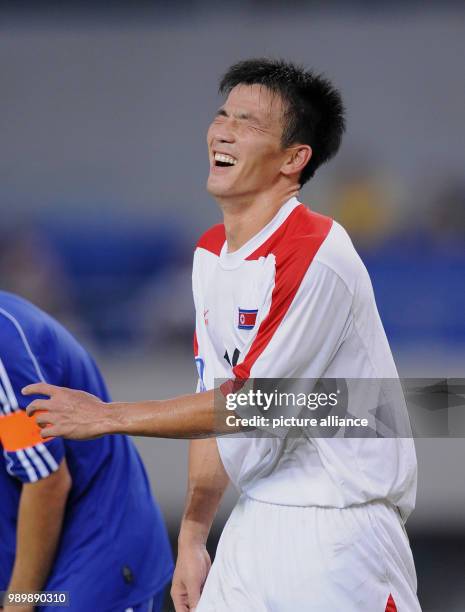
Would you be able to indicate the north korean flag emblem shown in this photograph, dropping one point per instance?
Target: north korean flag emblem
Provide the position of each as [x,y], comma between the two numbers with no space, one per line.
[246,318]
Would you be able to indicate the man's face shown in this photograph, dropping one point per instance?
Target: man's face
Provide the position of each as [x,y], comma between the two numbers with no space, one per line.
[244,143]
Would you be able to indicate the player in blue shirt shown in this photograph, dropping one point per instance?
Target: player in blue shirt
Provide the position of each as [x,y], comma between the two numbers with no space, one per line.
[74,516]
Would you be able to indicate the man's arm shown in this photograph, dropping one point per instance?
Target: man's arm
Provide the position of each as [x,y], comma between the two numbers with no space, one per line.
[80,415]
[41,510]
[207,483]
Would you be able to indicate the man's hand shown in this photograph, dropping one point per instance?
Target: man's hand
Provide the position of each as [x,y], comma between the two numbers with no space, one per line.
[72,414]
[207,483]
[191,571]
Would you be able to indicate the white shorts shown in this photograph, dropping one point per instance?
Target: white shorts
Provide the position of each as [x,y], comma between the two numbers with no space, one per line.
[273,558]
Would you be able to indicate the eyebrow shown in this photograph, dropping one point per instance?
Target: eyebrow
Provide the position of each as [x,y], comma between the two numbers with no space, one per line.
[222,112]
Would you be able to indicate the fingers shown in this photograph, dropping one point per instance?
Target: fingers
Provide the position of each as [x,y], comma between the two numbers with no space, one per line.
[49,432]
[44,420]
[180,600]
[193,593]
[40,389]
[179,605]
[37,406]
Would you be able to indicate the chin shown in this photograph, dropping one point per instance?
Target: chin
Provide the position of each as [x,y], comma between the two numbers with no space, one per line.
[218,188]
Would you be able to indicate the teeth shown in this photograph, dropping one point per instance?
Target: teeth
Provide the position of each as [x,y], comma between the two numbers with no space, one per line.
[226,159]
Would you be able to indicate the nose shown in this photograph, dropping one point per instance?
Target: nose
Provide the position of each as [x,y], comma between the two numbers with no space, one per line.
[223,133]
[223,136]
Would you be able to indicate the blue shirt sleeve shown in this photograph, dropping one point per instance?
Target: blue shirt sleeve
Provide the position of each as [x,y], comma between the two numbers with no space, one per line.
[28,457]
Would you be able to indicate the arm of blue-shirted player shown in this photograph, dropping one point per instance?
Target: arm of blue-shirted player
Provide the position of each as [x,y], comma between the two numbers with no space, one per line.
[206,485]
[41,511]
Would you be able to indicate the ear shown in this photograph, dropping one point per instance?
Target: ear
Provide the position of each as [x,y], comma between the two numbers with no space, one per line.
[296,160]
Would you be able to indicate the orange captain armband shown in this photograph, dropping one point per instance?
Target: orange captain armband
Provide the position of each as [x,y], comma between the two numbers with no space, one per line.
[18,431]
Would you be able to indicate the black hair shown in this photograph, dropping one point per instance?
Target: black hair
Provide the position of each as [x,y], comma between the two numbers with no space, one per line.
[314,111]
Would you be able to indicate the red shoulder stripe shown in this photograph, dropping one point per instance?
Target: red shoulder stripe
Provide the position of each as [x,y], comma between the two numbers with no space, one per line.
[294,245]
[213,239]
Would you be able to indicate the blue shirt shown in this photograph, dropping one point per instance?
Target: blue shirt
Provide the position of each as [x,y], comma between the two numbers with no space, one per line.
[114,550]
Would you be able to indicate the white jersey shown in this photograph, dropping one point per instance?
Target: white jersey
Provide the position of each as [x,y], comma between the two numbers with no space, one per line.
[296,301]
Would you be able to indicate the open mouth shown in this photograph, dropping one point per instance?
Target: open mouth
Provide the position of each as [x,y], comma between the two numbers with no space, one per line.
[222,160]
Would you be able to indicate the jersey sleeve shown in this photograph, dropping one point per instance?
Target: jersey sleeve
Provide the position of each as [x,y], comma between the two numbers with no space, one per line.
[302,329]
[28,457]
[38,350]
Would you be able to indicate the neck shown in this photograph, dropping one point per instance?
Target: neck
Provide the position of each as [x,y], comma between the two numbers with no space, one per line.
[245,217]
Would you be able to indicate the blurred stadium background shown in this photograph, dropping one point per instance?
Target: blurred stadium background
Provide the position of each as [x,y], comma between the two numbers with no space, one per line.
[103,113]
